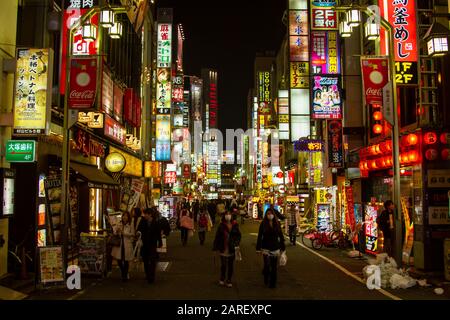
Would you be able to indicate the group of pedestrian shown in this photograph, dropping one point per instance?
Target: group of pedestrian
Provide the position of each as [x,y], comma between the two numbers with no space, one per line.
[140,231]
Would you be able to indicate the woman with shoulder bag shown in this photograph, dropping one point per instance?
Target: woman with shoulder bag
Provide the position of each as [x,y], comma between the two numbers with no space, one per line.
[123,253]
[271,244]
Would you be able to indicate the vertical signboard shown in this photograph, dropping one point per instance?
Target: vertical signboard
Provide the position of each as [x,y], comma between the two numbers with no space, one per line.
[335,147]
[326,98]
[325,58]
[164,45]
[283,114]
[213,102]
[32,96]
[83,83]
[375,76]
[323,17]
[162,137]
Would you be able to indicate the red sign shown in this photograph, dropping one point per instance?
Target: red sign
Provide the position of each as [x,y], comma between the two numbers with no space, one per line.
[114,130]
[323,17]
[350,214]
[186,170]
[401,15]
[177,95]
[118,102]
[170,177]
[375,76]
[213,105]
[335,147]
[83,83]
[79,45]
[107,91]
[128,105]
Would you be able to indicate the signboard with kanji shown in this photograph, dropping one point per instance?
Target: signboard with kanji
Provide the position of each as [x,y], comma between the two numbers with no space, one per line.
[323,17]
[164,45]
[299,75]
[325,57]
[170,177]
[21,151]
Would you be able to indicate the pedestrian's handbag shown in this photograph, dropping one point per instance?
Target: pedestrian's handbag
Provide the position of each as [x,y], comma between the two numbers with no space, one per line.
[238,254]
[283,259]
[187,222]
[115,240]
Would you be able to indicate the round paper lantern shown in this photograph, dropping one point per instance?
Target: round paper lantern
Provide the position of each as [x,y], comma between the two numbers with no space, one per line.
[445,138]
[413,156]
[431,154]
[377,115]
[412,139]
[445,154]
[430,137]
[373,164]
[377,129]
[389,145]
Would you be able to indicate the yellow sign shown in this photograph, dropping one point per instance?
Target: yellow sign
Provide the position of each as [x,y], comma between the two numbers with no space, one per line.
[152,169]
[321,196]
[133,164]
[115,162]
[32,100]
[299,75]
[283,118]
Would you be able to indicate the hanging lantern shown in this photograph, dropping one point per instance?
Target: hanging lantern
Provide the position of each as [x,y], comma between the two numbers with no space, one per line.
[107,18]
[431,154]
[377,116]
[445,153]
[115,32]
[412,139]
[372,30]
[89,31]
[344,29]
[389,161]
[377,129]
[445,138]
[413,156]
[353,18]
[373,164]
[430,137]
[389,145]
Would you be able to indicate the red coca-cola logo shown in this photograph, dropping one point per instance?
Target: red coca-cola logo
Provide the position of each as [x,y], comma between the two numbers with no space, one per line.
[86,94]
[374,92]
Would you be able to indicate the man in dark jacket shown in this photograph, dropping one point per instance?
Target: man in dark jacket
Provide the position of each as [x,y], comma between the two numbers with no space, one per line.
[212,210]
[385,223]
[151,239]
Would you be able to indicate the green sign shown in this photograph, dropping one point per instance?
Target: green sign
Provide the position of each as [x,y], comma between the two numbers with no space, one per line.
[20,150]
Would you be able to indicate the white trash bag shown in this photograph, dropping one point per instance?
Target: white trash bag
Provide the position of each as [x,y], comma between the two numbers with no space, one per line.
[283,259]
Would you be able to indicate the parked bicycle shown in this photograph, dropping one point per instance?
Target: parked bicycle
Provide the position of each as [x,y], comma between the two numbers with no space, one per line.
[18,257]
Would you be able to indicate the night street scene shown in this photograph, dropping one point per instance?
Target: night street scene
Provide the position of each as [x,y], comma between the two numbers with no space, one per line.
[228,156]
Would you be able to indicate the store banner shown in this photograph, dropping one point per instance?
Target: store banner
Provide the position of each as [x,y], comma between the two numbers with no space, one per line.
[107,91]
[335,144]
[187,171]
[299,75]
[350,212]
[32,95]
[83,83]
[114,130]
[375,74]
[170,177]
[137,185]
[118,102]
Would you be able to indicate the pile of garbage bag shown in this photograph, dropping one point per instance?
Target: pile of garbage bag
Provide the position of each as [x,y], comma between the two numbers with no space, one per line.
[391,275]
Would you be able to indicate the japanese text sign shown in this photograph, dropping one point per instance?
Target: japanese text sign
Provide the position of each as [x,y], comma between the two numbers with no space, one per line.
[80,4]
[170,177]
[32,94]
[114,130]
[326,98]
[20,150]
[325,57]
[163,91]
[335,147]
[401,14]
[265,94]
[164,45]
[323,17]
[308,145]
[299,75]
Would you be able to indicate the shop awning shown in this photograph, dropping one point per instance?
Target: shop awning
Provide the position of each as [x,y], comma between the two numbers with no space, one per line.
[94,177]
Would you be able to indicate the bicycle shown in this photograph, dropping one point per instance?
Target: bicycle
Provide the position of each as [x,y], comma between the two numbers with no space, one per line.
[19,256]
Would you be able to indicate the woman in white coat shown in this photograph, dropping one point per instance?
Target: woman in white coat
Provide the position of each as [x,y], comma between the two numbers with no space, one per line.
[124,253]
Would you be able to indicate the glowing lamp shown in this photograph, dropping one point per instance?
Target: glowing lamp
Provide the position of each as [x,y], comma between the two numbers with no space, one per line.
[366,165]
[430,137]
[445,154]
[107,18]
[353,18]
[404,158]
[412,139]
[373,164]
[344,29]
[389,145]
[372,30]
[377,129]
[413,156]
[89,31]
[389,161]
[115,32]
[431,154]
[377,115]
[437,40]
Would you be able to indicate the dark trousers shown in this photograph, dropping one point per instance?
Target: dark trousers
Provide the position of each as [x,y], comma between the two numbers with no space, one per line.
[150,267]
[202,237]
[270,270]
[293,233]
[184,235]
[227,264]
[388,244]
[123,265]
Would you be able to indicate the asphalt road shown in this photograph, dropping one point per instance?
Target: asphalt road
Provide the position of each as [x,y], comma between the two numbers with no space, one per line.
[192,273]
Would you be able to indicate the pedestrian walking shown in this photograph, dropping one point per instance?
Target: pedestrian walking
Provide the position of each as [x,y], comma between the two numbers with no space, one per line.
[385,222]
[293,219]
[228,238]
[124,252]
[202,223]
[186,224]
[271,244]
[212,210]
[151,240]
[242,210]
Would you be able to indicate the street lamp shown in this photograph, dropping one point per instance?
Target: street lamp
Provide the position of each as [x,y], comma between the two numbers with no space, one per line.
[107,18]
[354,18]
[344,29]
[437,40]
[89,31]
[372,30]
[115,32]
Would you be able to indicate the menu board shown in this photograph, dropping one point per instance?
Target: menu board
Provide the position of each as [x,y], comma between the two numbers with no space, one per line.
[92,254]
[51,265]
[53,193]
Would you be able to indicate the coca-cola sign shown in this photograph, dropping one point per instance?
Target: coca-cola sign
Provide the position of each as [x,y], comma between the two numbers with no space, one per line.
[83,82]
[375,76]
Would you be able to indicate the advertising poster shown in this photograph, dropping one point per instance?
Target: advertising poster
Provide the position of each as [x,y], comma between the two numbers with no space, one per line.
[371,229]
[375,75]
[137,185]
[325,58]
[163,91]
[299,75]
[350,213]
[326,98]
[51,267]
[315,170]
[32,98]
[323,217]
[335,144]
[92,254]
[162,138]
[83,83]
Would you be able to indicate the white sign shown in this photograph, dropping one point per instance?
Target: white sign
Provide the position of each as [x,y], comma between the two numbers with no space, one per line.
[438,178]
[438,215]
[164,45]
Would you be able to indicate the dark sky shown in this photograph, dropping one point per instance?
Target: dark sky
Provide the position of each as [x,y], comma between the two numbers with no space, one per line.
[225,35]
